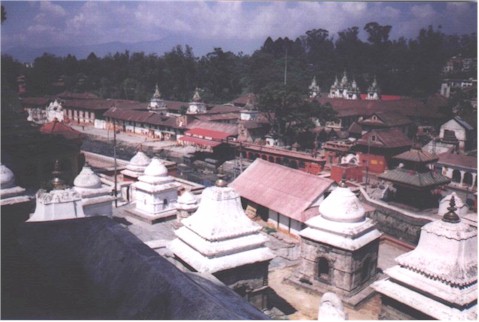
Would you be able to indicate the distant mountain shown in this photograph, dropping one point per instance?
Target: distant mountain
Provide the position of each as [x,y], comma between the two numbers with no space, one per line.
[200,48]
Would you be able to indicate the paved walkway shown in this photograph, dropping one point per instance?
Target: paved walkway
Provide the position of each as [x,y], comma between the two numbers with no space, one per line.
[126,138]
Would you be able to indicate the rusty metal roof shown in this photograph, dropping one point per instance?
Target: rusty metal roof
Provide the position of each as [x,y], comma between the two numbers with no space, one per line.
[287,191]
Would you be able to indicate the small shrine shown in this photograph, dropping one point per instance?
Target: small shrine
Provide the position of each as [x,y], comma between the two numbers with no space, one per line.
[10,193]
[61,202]
[339,248]
[186,204]
[137,165]
[96,198]
[374,92]
[220,239]
[414,180]
[314,90]
[155,194]
[157,104]
[196,106]
[436,280]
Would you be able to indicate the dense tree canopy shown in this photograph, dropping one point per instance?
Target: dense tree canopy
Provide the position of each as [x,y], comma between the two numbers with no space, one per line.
[401,66]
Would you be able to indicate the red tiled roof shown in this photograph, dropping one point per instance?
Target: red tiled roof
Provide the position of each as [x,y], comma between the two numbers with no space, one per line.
[287,191]
[142,117]
[389,118]
[60,128]
[231,129]
[199,141]
[385,138]
[383,97]
[243,99]
[215,135]
[35,101]
[405,106]
[224,109]
[458,160]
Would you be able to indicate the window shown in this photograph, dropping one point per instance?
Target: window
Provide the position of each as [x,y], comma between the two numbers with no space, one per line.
[366,270]
[323,269]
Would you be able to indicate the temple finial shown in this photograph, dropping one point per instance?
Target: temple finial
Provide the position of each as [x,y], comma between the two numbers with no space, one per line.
[451,215]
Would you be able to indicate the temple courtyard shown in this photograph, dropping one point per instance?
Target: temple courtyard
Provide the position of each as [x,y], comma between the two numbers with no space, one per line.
[288,301]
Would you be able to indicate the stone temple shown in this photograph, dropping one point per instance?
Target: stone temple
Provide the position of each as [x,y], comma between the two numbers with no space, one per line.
[155,193]
[436,280]
[339,248]
[220,239]
[96,198]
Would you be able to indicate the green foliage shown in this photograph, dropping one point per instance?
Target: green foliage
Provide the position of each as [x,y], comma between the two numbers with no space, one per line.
[403,66]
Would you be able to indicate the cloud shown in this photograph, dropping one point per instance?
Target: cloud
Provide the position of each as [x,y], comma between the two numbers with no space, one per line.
[94,22]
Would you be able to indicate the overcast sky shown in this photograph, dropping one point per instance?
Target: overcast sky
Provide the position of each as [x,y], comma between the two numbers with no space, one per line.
[50,23]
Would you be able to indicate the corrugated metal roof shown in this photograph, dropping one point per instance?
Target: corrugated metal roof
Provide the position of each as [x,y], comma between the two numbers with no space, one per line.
[287,191]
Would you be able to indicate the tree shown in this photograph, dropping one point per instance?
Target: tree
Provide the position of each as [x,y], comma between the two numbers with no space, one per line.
[289,112]
[4,14]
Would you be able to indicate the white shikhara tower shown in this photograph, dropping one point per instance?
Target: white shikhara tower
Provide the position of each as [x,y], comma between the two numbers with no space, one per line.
[438,279]
[96,198]
[220,239]
[339,248]
[156,192]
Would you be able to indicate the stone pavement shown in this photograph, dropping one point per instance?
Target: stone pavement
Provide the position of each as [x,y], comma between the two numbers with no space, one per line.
[156,145]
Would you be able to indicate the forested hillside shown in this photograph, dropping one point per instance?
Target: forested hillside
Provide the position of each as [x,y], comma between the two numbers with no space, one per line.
[403,66]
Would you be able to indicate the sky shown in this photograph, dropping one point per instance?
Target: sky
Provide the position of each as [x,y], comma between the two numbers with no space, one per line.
[217,23]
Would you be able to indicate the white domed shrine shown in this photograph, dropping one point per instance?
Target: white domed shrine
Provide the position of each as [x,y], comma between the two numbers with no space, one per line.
[186,204]
[155,194]
[96,198]
[137,165]
[339,250]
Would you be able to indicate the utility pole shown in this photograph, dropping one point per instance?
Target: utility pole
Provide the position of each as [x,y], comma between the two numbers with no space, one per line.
[114,158]
[286,67]
[367,163]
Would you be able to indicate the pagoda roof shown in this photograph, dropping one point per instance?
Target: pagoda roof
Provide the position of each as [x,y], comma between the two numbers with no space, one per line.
[414,179]
[417,155]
